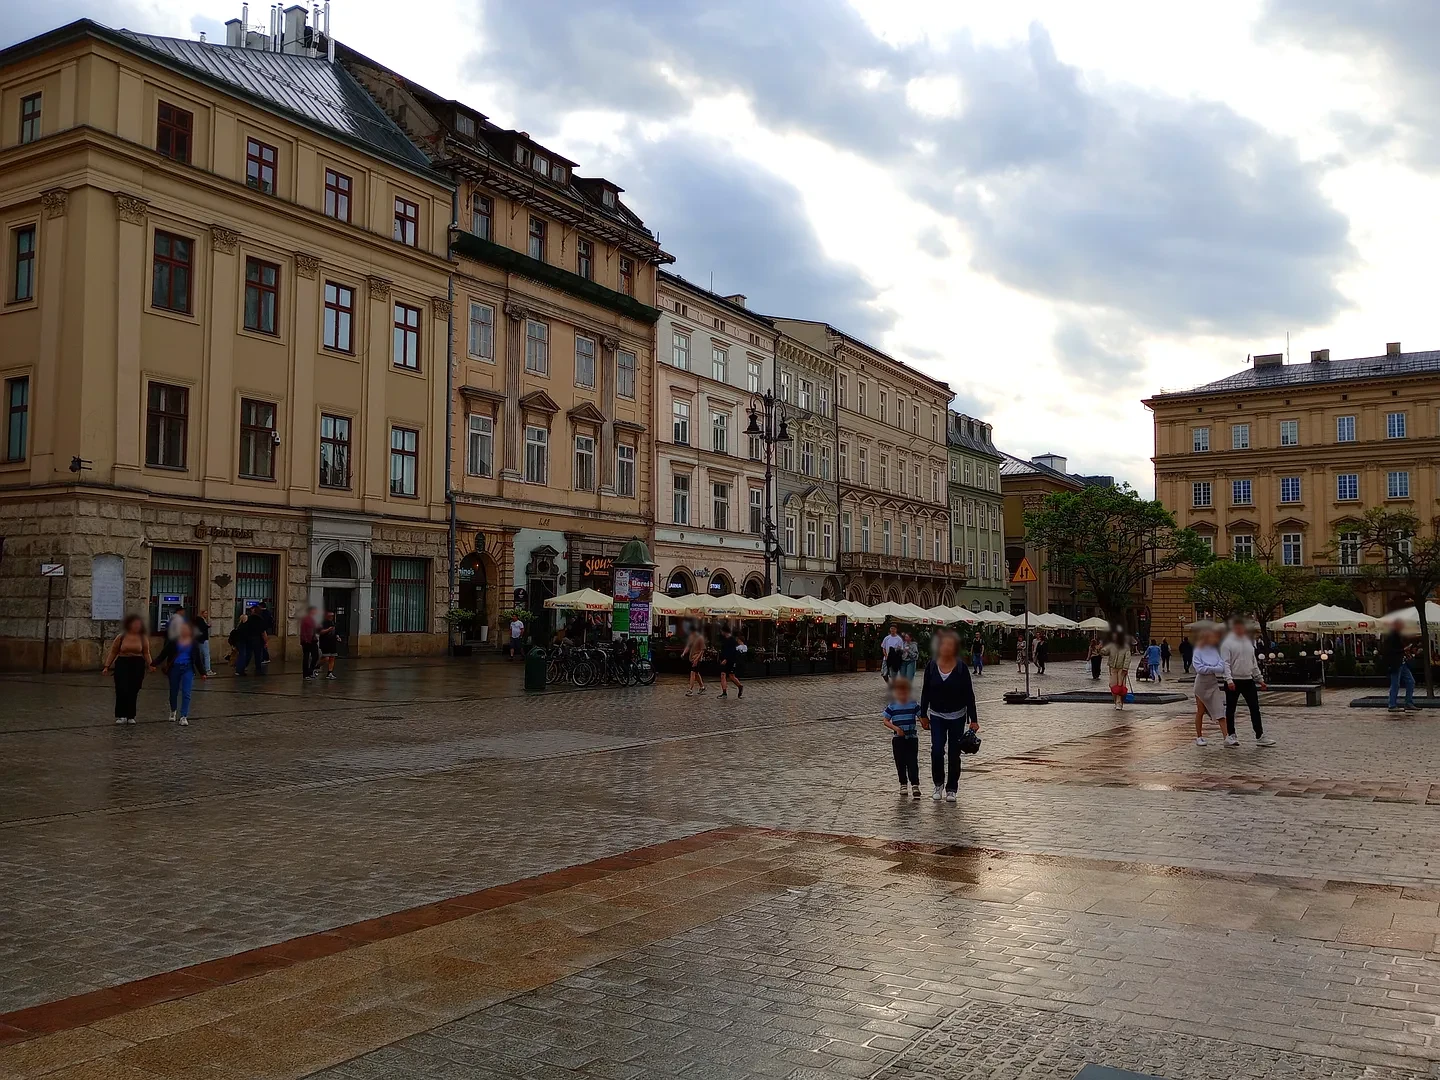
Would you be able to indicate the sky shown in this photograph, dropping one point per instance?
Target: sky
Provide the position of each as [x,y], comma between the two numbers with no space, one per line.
[1057,208]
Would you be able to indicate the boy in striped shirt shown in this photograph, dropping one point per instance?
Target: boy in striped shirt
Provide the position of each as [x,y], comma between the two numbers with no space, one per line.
[900,718]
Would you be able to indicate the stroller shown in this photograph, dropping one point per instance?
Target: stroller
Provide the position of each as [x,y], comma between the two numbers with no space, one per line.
[1142,669]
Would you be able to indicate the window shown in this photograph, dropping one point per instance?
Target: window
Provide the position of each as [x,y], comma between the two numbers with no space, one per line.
[900,412]
[537,455]
[170,273]
[824,462]
[625,471]
[720,506]
[480,446]
[1240,492]
[935,432]
[1349,549]
[885,471]
[937,546]
[537,239]
[399,596]
[23,282]
[914,480]
[845,531]
[840,393]
[482,212]
[784,386]
[407,222]
[900,475]
[680,415]
[1399,546]
[1290,551]
[1289,432]
[885,533]
[29,118]
[173,572]
[809,538]
[757,511]
[752,376]
[627,276]
[969,513]
[540,164]
[584,463]
[680,499]
[1199,440]
[1290,489]
[804,398]
[1395,425]
[337,195]
[680,350]
[1344,429]
[625,374]
[173,128]
[754,441]
[883,400]
[719,364]
[1347,487]
[1200,493]
[339,317]
[789,535]
[967,472]
[404,461]
[537,347]
[334,451]
[720,432]
[844,461]
[934,485]
[864,467]
[260,166]
[904,539]
[1240,436]
[262,295]
[807,458]
[406,345]
[970,556]
[1397,485]
[482,331]
[585,259]
[822,398]
[584,361]
[787,456]
[862,398]
[167,414]
[915,419]
[828,535]
[1242,547]
[1209,542]
[257,439]
[17,417]
[864,532]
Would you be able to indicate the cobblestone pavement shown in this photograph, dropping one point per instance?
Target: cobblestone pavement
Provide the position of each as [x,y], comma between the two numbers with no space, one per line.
[1105,890]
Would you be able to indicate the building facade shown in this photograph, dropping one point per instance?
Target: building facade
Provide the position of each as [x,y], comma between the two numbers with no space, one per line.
[977,538]
[715,358]
[1024,485]
[1272,462]
[807,517]
[553,342]
[891,465]
[224,345]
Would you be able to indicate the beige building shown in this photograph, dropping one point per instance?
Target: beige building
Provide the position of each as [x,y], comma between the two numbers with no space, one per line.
[715,358]
[1271,462]
[891,463]
[554,358]
[1024,486]
[223,339]
[977,536]
[807,517]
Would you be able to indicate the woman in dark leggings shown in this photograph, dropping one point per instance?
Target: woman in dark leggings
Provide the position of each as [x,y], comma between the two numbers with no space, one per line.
[128,658]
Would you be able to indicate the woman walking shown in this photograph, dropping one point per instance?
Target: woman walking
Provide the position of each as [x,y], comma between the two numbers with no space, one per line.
[179,658]
[977,655]
[1117,654]
[911,657]
[1094,655]
[947,704]
[128,659]
[1211,675]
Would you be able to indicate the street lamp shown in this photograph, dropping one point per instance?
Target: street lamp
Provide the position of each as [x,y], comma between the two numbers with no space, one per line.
[768,424]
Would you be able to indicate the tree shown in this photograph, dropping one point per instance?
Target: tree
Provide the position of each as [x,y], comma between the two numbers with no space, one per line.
[1227,588]
[1334,593]
[1112,540]
[1410,555]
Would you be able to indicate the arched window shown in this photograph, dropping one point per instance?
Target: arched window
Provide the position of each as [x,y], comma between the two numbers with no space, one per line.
[720,584]
[338,564]
[680,584]
[754,587]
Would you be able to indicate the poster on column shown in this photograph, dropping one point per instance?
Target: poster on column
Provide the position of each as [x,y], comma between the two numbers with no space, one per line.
[620,605]
[641,584]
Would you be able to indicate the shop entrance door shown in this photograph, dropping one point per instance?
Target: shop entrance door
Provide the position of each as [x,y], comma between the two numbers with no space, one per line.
[342,603]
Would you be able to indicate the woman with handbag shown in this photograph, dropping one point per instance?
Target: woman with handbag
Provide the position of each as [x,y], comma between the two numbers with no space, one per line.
[1117,655]
[947,711]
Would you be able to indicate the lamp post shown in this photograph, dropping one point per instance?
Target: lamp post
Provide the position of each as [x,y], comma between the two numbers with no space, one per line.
[767,423]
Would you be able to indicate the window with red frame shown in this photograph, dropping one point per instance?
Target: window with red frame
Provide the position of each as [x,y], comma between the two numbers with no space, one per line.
[339,317]
[407,222]
[407,337]
[170,273]
[173,130]
[260,166]
[337,195]
[262,295]
[627,277]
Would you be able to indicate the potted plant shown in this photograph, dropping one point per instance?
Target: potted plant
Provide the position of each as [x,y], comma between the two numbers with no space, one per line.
[458,618]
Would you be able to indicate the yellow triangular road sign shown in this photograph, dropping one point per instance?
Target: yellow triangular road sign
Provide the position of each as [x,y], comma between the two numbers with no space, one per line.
[1024,573]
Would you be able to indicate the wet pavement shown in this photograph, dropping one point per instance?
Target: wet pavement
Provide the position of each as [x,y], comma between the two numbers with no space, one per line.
[420,871]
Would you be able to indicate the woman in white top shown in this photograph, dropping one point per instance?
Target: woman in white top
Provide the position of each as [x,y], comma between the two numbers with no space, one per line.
[1211,675]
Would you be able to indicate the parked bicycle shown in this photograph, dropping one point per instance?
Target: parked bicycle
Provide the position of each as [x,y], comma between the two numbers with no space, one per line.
[588,666]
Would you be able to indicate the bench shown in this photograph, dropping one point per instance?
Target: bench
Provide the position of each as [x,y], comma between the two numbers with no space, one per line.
[1314,692]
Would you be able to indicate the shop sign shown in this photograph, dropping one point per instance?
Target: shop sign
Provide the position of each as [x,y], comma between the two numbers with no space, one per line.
[519,596]
[597,566]
[217,532]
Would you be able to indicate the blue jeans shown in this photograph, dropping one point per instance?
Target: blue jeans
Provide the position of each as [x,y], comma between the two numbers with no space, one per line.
[1403,676]
[204,648]
[945,749]
[244,653]
[182,680]
[977,662]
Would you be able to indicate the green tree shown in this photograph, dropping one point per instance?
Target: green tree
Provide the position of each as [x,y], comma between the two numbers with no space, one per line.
[1112,540]
[1227,588]
[1334,593]
[1409,552]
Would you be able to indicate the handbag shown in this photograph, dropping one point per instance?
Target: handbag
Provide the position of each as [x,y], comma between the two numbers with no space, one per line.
[969,742]
[1129,698]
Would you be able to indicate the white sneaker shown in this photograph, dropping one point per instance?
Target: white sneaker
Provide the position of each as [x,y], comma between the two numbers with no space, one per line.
[689,693]
[173,715]
[1200,742]
[938,794]
[1264,740]
[949,796]
[1231,742]
[131,720]
[184,721]
[120,720]
[904,791]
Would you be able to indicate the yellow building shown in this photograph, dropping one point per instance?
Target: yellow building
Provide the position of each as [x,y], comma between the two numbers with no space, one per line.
[1271,463]
[223,343]
[554,358]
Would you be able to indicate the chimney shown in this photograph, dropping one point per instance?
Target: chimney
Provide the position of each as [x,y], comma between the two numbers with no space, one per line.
[1053,461]
[1269,360]
[294,22]
[235,32]
[1319,356]
[738,299]
[1392,348]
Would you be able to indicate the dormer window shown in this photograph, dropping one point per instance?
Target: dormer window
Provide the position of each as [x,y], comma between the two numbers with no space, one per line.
[558,173]
[522,155]
[465,125]
[540,164]
[608,197]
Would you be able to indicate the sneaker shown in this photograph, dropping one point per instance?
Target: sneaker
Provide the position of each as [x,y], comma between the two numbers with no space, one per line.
[131,720]
[1200,741]
[120,720]
[904,791]
[184,721]
[1231,742]
[689,693]
[950,796]
[173,715]
[1409,708]
[938,794]
[739,690]
[724,693]
[331,675]
[1393,708]
[1264,740]
[915,791]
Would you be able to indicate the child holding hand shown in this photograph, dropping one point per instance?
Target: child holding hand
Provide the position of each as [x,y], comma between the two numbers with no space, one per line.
[900,718]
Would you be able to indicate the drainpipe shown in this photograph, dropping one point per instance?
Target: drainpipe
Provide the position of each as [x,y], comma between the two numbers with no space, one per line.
[450,413]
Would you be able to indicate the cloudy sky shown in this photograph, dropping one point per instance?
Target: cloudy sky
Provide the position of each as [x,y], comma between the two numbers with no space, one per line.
[1058,208]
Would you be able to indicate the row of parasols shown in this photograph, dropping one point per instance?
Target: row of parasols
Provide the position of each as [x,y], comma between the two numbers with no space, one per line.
[1328,619]
[783,608]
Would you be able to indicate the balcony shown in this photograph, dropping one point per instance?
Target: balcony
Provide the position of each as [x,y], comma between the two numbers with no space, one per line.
[1377,572]
[856,561]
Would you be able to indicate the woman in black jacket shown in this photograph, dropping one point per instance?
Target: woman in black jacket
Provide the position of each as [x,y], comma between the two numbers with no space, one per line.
[947,705]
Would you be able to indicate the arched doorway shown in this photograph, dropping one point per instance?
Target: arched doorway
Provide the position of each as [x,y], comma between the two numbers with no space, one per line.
[680,583]
[830,589]
[892,594]
[947,598]
[720,584]
[754,587]
[911,596]
[340,596]
[924,600]
[855,592]
[475,573]
[542,581]
[874,597]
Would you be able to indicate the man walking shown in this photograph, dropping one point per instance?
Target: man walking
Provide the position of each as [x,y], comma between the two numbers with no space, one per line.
[310,644]
[695,653]
[1042,653]
[267,628]
[1246,681]
[1187,653]
[517,634]
[1392,656]
[892,654]
[201,625]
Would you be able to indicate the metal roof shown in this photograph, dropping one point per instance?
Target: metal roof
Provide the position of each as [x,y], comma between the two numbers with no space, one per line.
[1013,466]
[1316,372]
[312,88]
